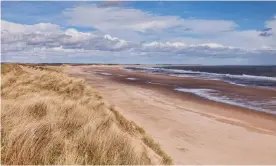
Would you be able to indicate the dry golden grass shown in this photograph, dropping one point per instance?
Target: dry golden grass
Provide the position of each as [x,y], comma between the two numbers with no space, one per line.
[50,118]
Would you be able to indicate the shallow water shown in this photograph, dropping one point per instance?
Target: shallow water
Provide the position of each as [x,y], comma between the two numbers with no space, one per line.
[226,74]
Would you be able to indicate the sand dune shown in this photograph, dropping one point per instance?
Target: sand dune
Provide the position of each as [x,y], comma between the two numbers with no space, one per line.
[50,118]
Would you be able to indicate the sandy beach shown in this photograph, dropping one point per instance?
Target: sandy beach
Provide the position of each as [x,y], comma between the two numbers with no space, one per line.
[191,129]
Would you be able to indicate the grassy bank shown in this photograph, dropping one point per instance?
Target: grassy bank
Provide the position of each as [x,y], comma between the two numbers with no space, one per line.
[50,118]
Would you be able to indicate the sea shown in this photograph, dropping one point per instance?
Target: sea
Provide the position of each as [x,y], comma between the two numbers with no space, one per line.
[255,76]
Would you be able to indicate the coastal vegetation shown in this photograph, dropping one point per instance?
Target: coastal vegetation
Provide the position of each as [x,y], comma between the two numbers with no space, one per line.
[48,117]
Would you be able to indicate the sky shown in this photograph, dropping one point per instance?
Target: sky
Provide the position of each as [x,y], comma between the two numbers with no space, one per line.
[207,33]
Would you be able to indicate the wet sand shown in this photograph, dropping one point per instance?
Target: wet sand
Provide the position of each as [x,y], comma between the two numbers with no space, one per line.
[191,129]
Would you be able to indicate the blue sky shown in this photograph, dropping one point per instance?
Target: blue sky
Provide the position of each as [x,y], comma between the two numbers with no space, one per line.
[208,33]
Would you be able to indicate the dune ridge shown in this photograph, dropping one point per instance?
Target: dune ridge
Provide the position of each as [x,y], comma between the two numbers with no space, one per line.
[50,118]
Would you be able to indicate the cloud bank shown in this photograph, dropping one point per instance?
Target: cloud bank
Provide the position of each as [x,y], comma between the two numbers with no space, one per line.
[124,35]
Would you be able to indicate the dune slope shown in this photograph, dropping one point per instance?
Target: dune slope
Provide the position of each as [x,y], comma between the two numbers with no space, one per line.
[50,118]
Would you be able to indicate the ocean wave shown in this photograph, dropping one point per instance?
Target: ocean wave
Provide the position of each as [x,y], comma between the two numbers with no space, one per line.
[106,74]
[243,80]
[130,78]
[214,95]
[253,77]
[243,76]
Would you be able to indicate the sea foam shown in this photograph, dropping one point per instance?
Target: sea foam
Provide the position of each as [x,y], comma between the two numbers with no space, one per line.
[214,95]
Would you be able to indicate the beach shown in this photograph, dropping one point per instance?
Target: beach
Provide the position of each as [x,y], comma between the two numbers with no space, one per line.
[191,129]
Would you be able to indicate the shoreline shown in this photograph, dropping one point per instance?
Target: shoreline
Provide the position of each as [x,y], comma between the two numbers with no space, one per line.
[221,87]
[166,89]
[191,129]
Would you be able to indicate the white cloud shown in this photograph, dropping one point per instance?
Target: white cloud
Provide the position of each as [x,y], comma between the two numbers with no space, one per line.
[271,24]
[118,18]
[136,25]
[48,43]
[23,38]
[19,28]
[17,37]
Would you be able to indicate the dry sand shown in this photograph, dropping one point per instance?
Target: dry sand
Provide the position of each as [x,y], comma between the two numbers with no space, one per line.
[190,129]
